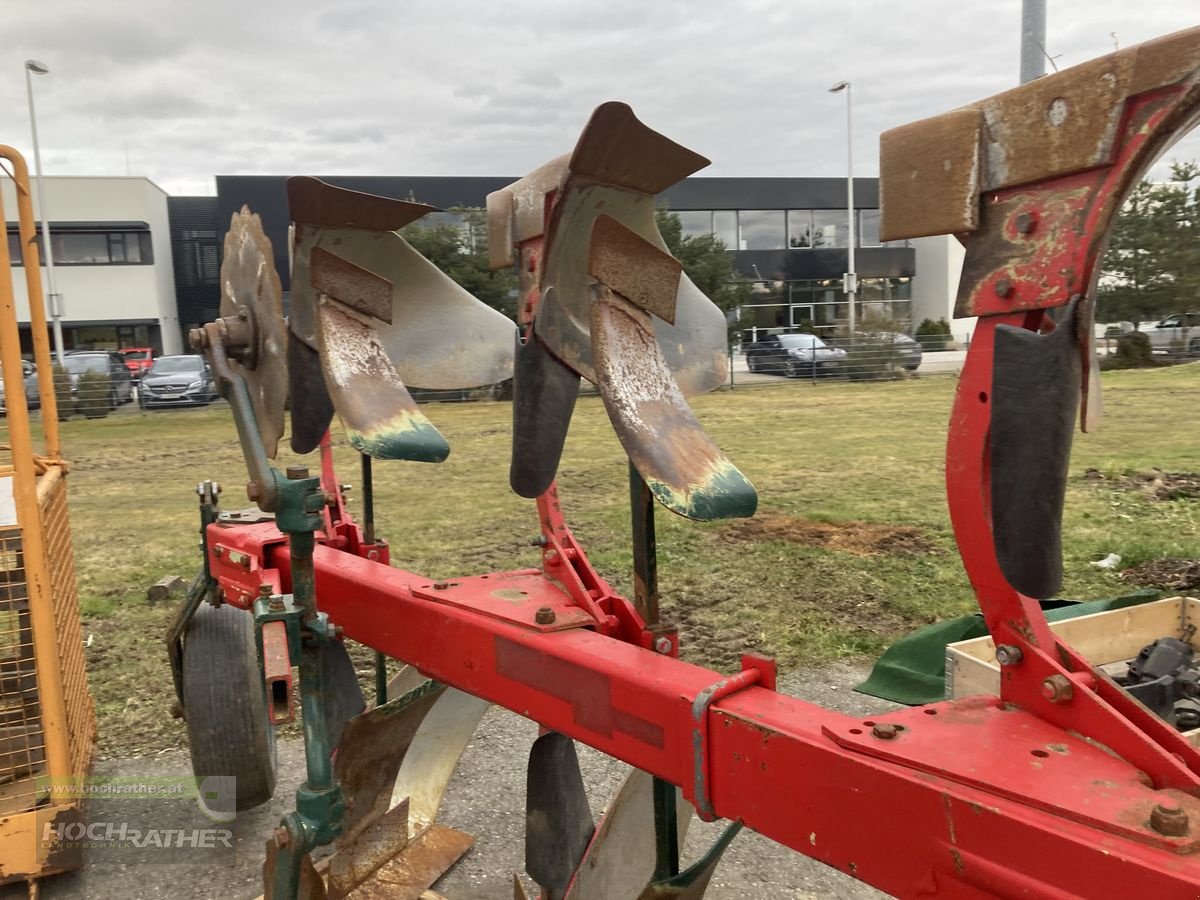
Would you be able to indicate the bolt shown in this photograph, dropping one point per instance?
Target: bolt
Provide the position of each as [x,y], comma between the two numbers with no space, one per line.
[539,541]
[276,604]
[283,837]
[1025,223]
[264,590]
[345,488]
[198,338]
[253,491]
[218,551]
[885,731]
[1008,655]
[663,645]
[440,585]
[1058,689]
[1003,287]
[216,487]
[200,489]
[544,616]
[1169,819]
[552,557]
[296,473]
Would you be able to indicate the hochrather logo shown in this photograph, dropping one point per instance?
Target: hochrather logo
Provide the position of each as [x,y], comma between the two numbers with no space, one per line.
[119,835]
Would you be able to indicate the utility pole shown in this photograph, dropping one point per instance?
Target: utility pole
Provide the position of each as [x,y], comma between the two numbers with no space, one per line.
[1033,39]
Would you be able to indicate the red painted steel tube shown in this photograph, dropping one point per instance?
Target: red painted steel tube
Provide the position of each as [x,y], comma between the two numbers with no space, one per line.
[771,763]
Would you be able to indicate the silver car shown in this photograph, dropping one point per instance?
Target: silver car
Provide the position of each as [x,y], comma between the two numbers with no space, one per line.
[33,400]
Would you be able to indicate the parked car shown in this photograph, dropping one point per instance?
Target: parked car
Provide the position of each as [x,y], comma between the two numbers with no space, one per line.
[184,380]
[138,360]
[793,355]
[904,351]
[104,362]
[33,399]
[1179,334]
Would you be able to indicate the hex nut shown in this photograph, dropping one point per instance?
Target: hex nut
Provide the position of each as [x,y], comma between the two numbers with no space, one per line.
[1003,287]
[544,616]
[1025,223]
[885,731]
[296,473]
[1058,689]
[664,645]
[1008,655]
[1169,819]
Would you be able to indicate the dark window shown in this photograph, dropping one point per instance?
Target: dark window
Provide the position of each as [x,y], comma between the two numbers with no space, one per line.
[800,228]
[90,248]
[725,227]
[761,229]
[695,222]
[868,228]
[830,228]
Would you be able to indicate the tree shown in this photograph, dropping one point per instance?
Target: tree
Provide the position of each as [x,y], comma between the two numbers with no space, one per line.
[462,253]
[1152,267]
[704,261]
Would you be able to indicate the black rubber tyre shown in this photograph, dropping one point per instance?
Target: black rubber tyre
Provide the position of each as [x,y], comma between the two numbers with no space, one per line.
[751,364]
[1194,347]
[225,703]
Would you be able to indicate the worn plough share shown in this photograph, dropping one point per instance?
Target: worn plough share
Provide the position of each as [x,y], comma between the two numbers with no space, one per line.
[1064,786]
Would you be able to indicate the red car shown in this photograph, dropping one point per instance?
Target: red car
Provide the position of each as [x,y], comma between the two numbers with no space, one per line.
[138,360]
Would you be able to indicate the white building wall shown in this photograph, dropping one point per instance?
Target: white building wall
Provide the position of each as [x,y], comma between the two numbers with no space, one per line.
[105,294]
[935,286]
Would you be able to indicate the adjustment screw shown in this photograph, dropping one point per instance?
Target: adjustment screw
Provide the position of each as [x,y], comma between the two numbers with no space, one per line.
[282,837]
[264,590]
[544,616]
[296,473]
[1008,655]
[1003,287]
[1058,689]
[1025,223]
[253,492]
[1169,819]
[663,645]
[885,731]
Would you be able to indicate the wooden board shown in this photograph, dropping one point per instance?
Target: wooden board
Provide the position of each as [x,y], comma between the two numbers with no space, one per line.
[1103,638]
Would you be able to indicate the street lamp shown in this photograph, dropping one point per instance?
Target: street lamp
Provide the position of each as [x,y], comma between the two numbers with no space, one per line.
[850,281]
[33,67]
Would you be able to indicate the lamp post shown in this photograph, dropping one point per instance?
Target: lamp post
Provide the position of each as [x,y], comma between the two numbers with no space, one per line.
[33,67]
[850,281]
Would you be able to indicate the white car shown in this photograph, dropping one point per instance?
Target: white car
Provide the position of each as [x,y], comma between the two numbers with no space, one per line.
[1178,334]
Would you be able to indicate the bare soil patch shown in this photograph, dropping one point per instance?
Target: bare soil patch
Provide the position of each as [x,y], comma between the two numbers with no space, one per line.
[1170,574]
[862,538]
[1154,483]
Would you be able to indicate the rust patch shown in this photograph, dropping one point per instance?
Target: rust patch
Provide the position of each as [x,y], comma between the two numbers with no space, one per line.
[353,285]
[860,538]
[634,268]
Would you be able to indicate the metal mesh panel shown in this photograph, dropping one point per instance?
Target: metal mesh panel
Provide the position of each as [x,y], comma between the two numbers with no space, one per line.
[81,721]
[22,741]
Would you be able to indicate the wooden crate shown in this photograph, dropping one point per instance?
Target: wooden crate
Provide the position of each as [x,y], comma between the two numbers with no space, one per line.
[1105,639]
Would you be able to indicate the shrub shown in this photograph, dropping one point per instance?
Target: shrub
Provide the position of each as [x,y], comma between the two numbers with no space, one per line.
[933,335]
[94,390]
[1134,351]
[64,397]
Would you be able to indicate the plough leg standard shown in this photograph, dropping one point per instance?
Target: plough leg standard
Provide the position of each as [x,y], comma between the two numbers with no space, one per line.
[1063,787]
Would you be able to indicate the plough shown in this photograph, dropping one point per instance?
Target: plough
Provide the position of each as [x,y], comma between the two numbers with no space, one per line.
[1064,786]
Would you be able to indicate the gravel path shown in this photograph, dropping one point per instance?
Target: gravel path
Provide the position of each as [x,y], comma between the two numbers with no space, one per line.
[486,798]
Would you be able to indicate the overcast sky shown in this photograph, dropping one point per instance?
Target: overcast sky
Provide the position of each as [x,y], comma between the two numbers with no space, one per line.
[187,90]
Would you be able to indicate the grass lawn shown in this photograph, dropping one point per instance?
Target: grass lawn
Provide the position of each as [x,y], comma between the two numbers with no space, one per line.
[851,547]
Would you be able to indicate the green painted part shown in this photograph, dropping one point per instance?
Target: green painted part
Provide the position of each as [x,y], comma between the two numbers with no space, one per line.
[413,438]
[728,494]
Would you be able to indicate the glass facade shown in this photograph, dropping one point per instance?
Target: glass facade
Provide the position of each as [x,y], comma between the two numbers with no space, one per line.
[777,229]
[91,248]
[819,305]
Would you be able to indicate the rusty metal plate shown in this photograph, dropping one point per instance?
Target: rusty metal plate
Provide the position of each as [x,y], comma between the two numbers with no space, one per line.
[380,416]
[929,176]
[617,148]
[352,285]
[408,875]
[250,285]
[370,754]
[313,202]
[436,334]
[524,203]
[684,469]
[620,860]
[634,268]
[695,346]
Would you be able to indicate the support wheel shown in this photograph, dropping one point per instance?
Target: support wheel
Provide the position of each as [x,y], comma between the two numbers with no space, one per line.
[225,703]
